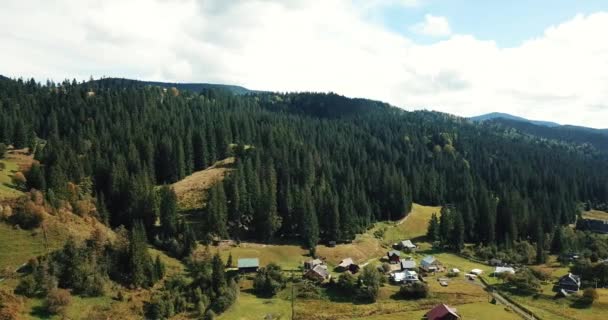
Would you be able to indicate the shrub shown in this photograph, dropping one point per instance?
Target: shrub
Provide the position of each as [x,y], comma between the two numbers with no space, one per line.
[58,300]
[29,216]
[268,281]
[589,296]
[27,287]
[308,290]
[19,180]
[347,283]
[413,291]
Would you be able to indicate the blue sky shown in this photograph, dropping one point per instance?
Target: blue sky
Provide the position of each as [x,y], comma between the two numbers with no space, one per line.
[507,22]
[545,60]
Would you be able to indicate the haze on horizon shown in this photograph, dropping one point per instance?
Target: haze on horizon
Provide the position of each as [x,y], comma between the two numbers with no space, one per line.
[545,61]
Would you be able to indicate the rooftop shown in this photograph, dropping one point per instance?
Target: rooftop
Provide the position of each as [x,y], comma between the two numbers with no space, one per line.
[248,263]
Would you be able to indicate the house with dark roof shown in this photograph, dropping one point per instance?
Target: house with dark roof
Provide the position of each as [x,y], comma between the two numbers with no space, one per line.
[442,312]
[318,274]
[248,265]
[569,283]
[393,256]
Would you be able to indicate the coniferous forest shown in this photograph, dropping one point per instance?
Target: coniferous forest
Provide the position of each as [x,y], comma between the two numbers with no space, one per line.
[310,167]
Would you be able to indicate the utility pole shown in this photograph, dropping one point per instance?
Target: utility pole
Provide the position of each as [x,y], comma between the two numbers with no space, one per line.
[293,310]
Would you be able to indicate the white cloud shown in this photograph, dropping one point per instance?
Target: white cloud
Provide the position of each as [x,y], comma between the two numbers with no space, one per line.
[435,26]
[301,45]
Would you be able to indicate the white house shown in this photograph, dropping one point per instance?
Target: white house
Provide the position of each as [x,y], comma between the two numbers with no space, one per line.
[501,270]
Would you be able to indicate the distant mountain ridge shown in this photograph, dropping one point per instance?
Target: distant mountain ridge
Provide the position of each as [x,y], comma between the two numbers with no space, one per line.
[501,115]
[195,87]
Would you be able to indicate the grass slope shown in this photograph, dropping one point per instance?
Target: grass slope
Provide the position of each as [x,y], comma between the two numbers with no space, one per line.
[191,190]
[595,214]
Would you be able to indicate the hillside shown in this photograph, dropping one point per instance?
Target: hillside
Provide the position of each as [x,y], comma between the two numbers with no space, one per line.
[506,116]
[194,87]
[579,136]
[305,169]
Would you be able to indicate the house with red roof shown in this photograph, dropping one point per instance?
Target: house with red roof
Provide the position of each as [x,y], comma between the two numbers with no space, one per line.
[442,312]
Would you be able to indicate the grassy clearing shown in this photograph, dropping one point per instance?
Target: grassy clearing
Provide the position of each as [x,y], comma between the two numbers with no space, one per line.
[413,227]
[248,306]
[15,160]
[289,257]
[18,246]
[6,185]
[190,190]
[595,214]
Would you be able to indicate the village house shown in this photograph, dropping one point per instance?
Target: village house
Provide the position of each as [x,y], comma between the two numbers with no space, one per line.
[407,245]
[248,265]
[393,256]
[348,265]
[310,264]
[503,270]
[318,273]
[404,277]
[408,264]
[442,312]
[569,283]
[430,264]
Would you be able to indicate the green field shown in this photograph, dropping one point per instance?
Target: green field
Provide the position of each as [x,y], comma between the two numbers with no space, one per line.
[6,185]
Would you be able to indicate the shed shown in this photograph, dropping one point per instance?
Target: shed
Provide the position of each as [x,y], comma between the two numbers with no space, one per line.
[394,256]
[345,264]
[247,265]
[407,244]
[442,312]
[408,264]
[476,272]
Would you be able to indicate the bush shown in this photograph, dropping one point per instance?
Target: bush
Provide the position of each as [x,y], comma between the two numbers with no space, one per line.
[589,296]
[524,282]
[268,281]
[308,290]
[58,300]
[2,150]
[413,291]
[27,287]
[347,283]
[19,180]
[29,216]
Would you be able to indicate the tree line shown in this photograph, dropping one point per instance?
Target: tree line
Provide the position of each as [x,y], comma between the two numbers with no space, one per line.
[312,167]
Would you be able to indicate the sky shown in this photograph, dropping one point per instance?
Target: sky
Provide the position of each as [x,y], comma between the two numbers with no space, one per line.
[544,60]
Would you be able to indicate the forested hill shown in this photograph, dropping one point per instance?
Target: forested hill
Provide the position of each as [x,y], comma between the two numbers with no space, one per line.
[506,116]
[194,87]
[581,137]
[310,167]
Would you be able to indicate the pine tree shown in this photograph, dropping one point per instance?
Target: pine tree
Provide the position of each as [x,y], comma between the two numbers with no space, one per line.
[433,232]
[140,262]
[168,211]
[458,231]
